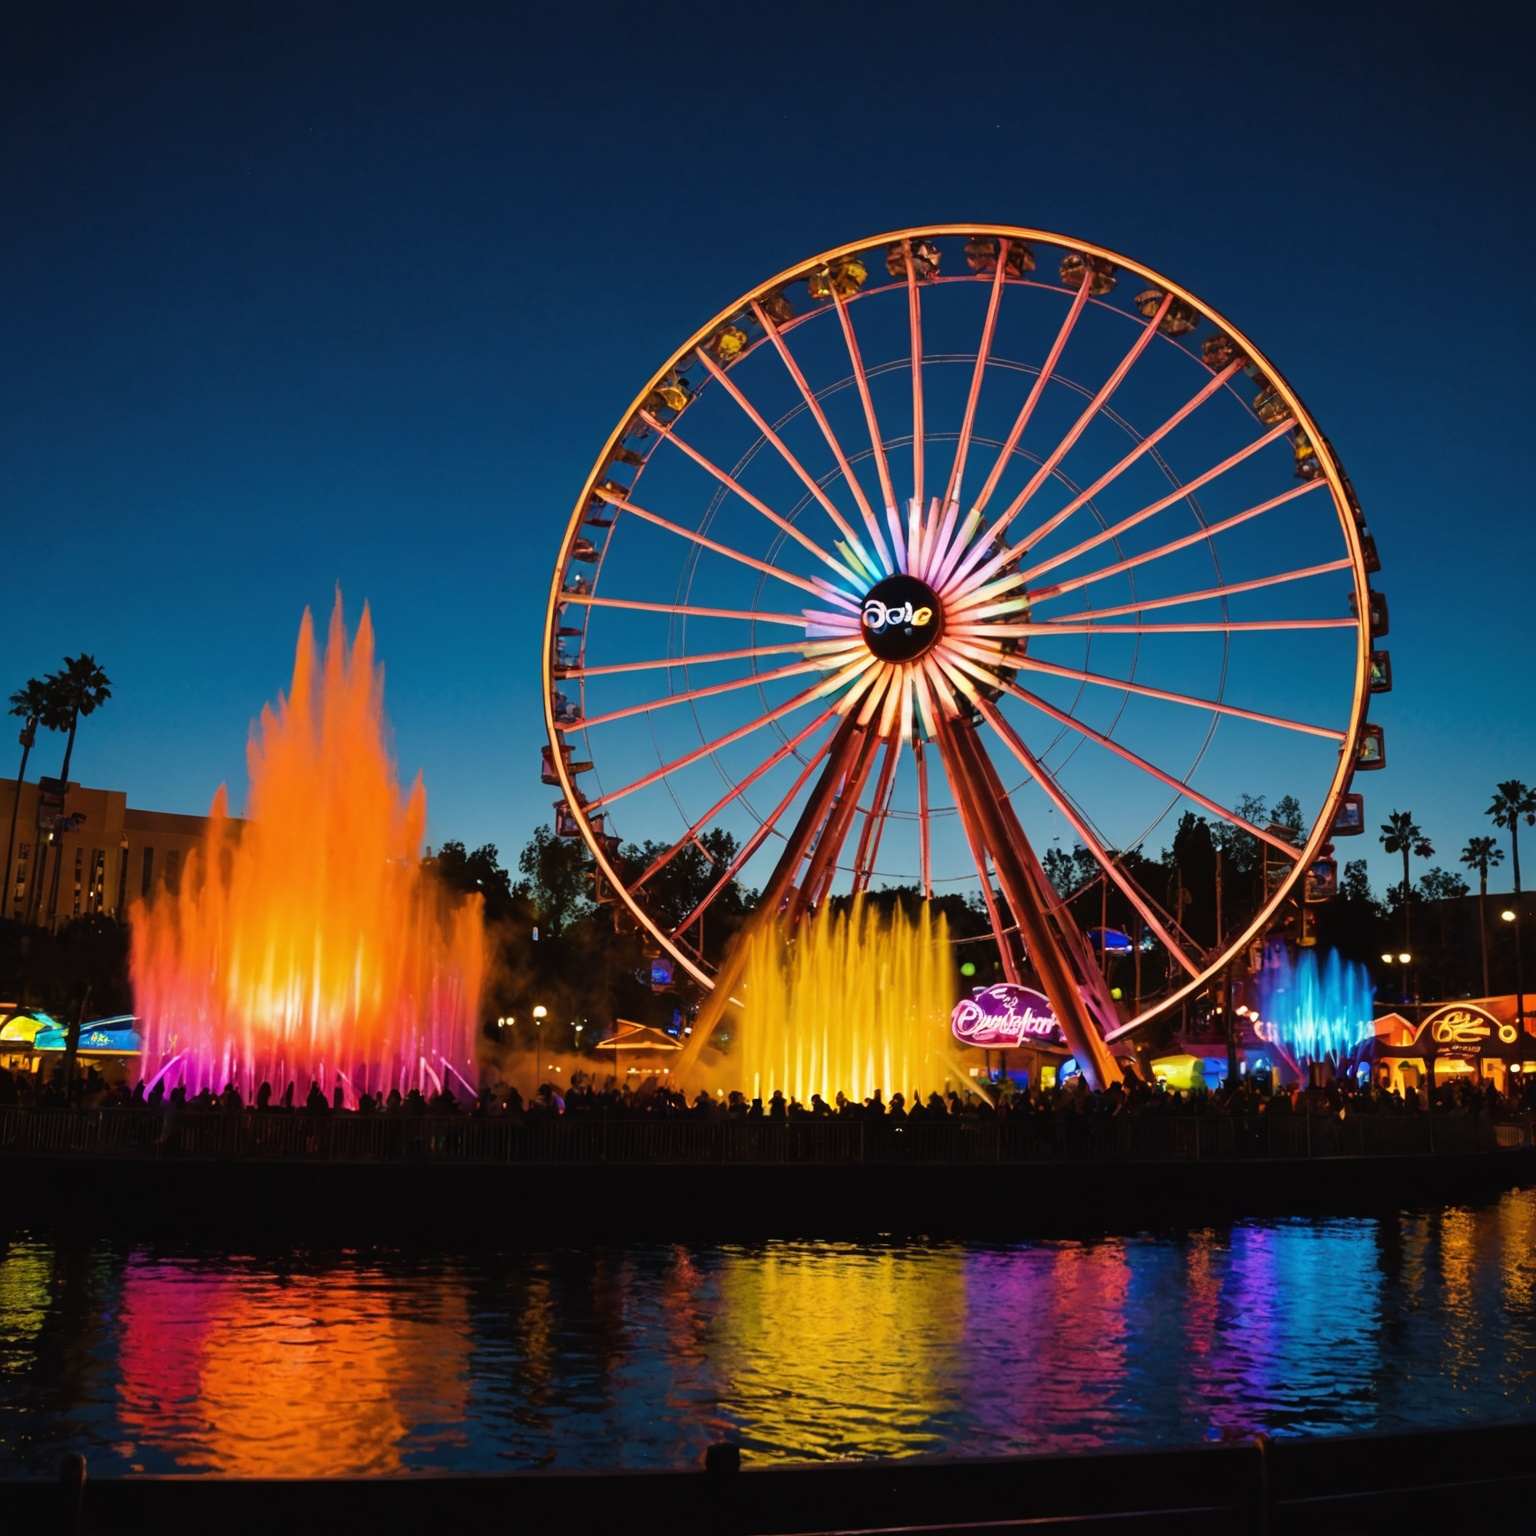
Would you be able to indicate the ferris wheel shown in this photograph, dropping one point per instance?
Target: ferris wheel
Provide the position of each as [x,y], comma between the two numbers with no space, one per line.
[945,553]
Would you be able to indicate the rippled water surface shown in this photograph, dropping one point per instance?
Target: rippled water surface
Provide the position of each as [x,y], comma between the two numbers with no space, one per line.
[358,1361]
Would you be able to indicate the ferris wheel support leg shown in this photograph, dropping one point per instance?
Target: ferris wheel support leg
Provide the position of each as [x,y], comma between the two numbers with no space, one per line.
[964,804]
[850,742]
[1081,962]
[1049,952]
[834,832]
[875,818]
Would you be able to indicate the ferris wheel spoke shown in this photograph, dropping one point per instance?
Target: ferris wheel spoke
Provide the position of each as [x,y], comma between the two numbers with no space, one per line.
[1173,546]
[663,859]
[882,679]
[1215,627]
[861,383]
[976,843]
[807,479]
[1137,761]
[924,847]
[983,352]
[1230,590]
[1028,663]
[821,589]
[1104,535]
[1047,468]
[1083,497]
[729,481]
[756,840]
[688,610]
[800,700]
[798,669]
[1036,393]
[915,327]
[746,653]
[1111,866]
[819,416]
[1145,446]
[952,546]
[874,818]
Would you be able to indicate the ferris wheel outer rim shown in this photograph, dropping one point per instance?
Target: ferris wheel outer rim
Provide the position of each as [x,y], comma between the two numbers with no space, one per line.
[1322,828]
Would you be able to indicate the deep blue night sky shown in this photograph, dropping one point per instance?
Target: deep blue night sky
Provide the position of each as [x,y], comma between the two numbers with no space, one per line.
[304,295]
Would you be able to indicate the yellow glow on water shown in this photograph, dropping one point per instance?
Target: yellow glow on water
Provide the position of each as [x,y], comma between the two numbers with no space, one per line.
[855,1002]
[1517,1253]
[26,1273]
[790,1324]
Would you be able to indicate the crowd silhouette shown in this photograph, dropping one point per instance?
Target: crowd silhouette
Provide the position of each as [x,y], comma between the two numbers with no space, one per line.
[652,1097]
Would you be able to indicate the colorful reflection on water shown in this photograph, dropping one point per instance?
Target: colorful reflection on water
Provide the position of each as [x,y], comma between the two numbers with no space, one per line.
[372,1362]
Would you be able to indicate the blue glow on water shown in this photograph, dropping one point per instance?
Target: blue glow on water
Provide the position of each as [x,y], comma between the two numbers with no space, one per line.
[1318,1008]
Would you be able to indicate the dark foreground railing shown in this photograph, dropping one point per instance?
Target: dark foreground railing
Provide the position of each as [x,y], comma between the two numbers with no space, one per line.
[1444,1481]
[249,1135]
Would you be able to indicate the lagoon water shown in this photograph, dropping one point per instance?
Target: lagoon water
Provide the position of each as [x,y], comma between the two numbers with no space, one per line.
[253,1362]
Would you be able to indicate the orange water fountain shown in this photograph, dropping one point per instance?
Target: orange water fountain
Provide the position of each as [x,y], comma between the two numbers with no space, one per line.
[308,943]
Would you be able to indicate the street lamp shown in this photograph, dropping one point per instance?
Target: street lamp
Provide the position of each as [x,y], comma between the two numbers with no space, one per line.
[1404,959]
[1510,915]
[540,1013]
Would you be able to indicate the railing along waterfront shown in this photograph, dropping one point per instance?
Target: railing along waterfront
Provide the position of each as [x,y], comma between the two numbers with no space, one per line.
[287,1136]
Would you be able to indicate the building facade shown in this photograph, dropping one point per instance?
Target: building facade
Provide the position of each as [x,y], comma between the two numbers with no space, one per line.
[113,854]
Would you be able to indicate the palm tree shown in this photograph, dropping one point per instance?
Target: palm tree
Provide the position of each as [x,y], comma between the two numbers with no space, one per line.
[80,688]
[1511,801]
[31,706]
[1400,833]
[1481,854]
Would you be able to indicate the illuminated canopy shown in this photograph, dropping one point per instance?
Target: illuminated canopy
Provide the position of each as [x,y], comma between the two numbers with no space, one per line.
[115,1036]
[630,1036]
[23,1028]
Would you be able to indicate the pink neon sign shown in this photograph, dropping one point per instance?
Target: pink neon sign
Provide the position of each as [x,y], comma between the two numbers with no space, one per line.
[1005,1015]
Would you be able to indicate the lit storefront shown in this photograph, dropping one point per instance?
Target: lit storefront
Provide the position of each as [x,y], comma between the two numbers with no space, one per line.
[1473,1039]
[32,1040]
[18,1033]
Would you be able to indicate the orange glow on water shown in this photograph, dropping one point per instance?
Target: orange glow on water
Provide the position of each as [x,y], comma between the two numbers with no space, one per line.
[310,942]
[313,1375]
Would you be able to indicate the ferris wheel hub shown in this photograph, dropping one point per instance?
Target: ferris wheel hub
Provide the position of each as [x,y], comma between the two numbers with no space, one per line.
[901,618]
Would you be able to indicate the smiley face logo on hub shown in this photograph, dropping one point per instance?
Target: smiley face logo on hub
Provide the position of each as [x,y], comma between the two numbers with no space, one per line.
[901,617]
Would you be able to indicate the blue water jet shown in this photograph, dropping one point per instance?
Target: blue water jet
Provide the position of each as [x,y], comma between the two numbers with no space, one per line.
[1317,1009]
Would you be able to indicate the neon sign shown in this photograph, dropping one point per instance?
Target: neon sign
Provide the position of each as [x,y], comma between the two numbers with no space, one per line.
[1462,1029]
[878,615]
[1005,1015]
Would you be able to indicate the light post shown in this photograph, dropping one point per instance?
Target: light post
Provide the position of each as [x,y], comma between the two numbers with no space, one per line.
[1404,959]
[1512,915]
[540,1013]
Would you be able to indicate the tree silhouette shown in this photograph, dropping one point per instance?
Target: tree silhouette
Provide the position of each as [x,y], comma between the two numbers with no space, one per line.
[78,689]
[1481,854]
[1400,833]
[32,704]
[1513,800]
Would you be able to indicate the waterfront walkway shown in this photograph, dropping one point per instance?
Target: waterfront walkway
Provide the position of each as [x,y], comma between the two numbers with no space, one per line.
[1473,1478]
[276,1136]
